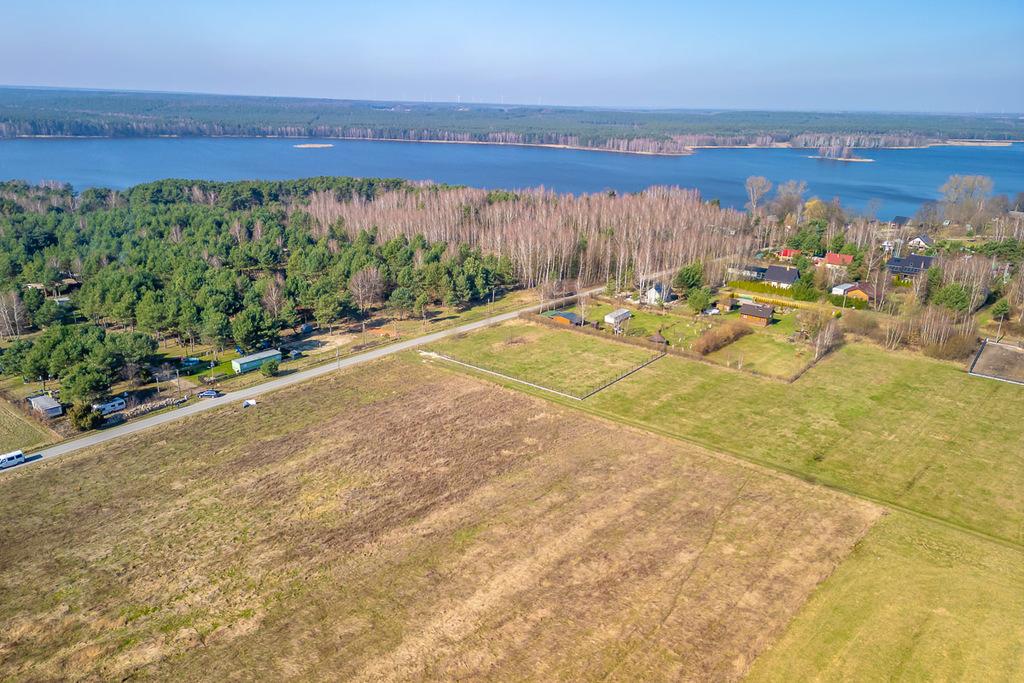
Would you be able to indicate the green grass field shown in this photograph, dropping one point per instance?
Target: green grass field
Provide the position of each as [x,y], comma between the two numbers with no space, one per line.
[914,601]
[563,360]
[17,432]
[678,327]
[899,428]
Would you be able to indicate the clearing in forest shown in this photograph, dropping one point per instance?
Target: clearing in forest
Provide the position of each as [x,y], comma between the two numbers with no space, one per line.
[402,521]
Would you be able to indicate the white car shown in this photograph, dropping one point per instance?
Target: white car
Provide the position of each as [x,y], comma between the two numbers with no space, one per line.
[11,459]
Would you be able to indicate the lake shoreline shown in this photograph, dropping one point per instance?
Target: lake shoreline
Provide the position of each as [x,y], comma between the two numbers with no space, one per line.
[690,151]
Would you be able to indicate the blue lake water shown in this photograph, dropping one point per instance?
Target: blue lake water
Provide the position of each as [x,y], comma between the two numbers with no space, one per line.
[899,180]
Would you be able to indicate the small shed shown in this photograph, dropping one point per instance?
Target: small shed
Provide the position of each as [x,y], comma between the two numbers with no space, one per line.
[254,361]
[566,318]
[757,314]
[657,338]
[618,316]
[726,303]
[843,289]
[46,405]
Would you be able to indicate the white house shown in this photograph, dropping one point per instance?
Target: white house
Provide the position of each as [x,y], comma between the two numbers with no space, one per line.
[920,242]
[657,294]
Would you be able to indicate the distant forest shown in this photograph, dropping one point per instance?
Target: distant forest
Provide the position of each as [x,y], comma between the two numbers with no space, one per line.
[76,113]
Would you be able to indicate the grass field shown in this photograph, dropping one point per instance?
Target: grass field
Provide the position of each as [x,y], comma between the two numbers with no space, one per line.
[17,432]
[678,327]
[562,360]
[900,428]
[915,601]
[404,522]
[919,599]
[897,427]
[765,353]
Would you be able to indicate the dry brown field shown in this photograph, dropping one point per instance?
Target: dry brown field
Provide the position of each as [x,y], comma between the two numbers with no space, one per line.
[401,521]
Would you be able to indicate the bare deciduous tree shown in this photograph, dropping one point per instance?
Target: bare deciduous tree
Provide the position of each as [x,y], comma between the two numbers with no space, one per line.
[757,187]
[366,287]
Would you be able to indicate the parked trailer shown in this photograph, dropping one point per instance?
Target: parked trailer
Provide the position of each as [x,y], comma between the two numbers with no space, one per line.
[11,459]
[110,406]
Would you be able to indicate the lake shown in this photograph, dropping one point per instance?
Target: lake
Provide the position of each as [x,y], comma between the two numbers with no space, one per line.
[898,181]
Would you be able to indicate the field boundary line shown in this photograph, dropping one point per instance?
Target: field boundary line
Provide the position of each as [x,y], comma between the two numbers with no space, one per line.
[434,354]
[977,357]
[729,455]
[623,375]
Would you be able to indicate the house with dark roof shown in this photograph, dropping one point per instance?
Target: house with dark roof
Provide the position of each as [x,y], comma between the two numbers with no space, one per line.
[922,241]
[748,272]
[899,221]
[757,314]
[781,276]
[909,266]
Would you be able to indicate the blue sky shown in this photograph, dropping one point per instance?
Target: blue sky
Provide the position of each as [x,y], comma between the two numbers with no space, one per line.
[869,55]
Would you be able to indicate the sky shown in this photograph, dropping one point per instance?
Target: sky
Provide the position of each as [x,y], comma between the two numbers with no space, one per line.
[908,55]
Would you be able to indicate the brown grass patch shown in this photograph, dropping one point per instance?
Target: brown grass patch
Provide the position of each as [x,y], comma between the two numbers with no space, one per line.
[402,522]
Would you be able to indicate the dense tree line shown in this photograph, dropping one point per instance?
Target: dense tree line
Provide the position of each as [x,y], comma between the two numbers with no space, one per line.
[26,112]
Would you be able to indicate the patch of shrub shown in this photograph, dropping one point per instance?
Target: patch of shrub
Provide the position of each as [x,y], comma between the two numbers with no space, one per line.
[959,347]
[837,300]
[863,324]
[270,368]
[84,417]
[720,336]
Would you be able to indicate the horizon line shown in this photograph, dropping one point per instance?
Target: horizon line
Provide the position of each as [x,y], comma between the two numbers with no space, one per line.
[518,105]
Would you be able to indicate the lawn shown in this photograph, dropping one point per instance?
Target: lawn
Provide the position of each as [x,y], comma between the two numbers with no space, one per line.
[678,327]
[766,353]
[567,361]
[914,601]
[404,522]
[18,432]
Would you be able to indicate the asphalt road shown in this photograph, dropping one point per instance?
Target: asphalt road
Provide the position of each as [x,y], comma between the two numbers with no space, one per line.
[236,397]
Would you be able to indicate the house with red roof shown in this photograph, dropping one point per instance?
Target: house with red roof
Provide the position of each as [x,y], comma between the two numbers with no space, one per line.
[834,260]
[789,254]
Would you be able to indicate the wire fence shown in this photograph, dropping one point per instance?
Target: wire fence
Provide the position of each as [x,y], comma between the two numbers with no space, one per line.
[581,396]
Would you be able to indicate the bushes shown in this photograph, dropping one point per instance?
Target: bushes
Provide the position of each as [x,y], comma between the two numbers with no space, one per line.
[720,337]
[84,417]
[863,324]
[959,347]
[270,368]
[837,300]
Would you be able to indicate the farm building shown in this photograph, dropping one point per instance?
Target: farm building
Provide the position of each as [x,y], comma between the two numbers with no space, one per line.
[254,361]
[564,318]
[617,317]
[781,276]
[909,266]
[757,314]
[46,405]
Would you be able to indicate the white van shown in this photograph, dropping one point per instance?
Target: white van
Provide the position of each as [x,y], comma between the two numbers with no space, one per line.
[11,459]
[110,406]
